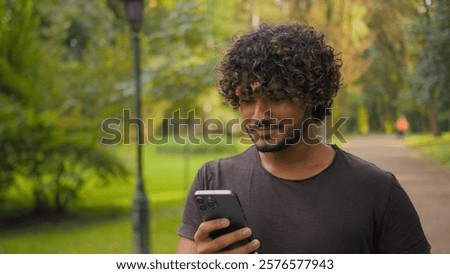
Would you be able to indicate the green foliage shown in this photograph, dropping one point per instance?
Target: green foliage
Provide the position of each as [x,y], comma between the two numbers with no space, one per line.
[178,37]
[408,70]
[17,76]
[46,142]
[363,121]
[388,127]
[53,159]
[429,33]
[384,81]
[92,55]
[20,52]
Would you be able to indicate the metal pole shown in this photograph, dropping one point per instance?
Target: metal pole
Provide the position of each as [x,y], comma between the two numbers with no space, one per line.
[141,206]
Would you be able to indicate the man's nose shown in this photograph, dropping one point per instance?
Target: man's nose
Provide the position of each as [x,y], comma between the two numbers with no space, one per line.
[262,110]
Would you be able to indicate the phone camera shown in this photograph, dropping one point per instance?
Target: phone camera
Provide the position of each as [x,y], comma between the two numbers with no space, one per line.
[201,203]
[205,202]
[211,202]
[200,200]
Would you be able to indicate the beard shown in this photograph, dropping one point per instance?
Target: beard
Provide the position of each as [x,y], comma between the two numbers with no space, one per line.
[290,136]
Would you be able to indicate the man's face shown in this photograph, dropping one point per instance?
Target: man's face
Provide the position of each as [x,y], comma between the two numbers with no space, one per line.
[273,124]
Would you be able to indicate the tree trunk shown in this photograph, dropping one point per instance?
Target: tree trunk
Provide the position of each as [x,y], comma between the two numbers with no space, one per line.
[434,125]
[41,205]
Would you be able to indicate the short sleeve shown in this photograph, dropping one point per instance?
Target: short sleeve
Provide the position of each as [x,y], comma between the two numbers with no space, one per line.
[191,217]
[400,230]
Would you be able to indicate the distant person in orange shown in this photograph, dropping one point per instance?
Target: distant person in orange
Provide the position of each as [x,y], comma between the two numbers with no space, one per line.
[402,125]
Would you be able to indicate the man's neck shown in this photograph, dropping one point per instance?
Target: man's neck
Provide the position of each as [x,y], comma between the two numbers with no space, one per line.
[300,161]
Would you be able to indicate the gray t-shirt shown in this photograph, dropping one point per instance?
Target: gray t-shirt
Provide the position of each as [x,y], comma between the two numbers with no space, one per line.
[350,207]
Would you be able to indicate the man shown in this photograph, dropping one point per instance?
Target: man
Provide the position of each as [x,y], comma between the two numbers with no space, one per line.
[299,195]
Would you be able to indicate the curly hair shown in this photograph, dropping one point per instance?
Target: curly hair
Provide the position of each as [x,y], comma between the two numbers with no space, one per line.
[292,59]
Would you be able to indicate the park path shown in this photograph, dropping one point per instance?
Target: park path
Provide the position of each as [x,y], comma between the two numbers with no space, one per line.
[426,182]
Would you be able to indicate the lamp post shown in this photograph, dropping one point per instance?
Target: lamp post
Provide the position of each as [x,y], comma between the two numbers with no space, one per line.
[140,215]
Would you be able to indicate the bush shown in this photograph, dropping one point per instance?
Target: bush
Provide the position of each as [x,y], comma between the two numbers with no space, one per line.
[55,159]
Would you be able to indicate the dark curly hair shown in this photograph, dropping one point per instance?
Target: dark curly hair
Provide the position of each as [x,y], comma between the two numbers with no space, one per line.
[292,59]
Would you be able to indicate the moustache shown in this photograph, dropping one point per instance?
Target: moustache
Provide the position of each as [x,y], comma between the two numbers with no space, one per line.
[264,124]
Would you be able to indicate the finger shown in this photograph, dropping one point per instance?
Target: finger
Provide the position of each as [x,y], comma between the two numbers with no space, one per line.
[233,237]
[207,227]
[245,249]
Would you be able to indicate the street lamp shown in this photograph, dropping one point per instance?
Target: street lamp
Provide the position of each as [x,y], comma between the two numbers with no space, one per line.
[140,213]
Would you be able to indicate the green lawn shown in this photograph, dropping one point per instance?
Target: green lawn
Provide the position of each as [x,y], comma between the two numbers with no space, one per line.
[100,222]
[437,148]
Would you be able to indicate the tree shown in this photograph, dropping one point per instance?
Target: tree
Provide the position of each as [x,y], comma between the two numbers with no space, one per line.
[430,33]
[183,42]
[385,80]
[46,139]
[179,43]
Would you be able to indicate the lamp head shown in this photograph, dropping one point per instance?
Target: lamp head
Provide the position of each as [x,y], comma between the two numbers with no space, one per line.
[134,12]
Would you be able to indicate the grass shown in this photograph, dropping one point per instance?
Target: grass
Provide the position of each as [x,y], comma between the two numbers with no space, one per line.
[437,148]
[101,220]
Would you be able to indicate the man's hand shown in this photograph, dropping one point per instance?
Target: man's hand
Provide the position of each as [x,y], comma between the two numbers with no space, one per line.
[206,245]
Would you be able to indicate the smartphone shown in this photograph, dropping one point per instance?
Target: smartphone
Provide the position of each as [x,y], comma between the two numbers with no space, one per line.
[214,204]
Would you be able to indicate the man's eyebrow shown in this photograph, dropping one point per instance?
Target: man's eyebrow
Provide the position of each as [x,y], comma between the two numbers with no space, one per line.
[279,92]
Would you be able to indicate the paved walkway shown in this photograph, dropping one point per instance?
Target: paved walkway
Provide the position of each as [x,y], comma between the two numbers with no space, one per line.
[426,182]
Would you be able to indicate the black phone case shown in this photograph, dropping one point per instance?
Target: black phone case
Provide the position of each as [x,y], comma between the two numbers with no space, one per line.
[216,204]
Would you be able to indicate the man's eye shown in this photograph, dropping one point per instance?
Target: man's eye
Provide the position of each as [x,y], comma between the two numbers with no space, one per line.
[277,95]
[245,101]
[278,98]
